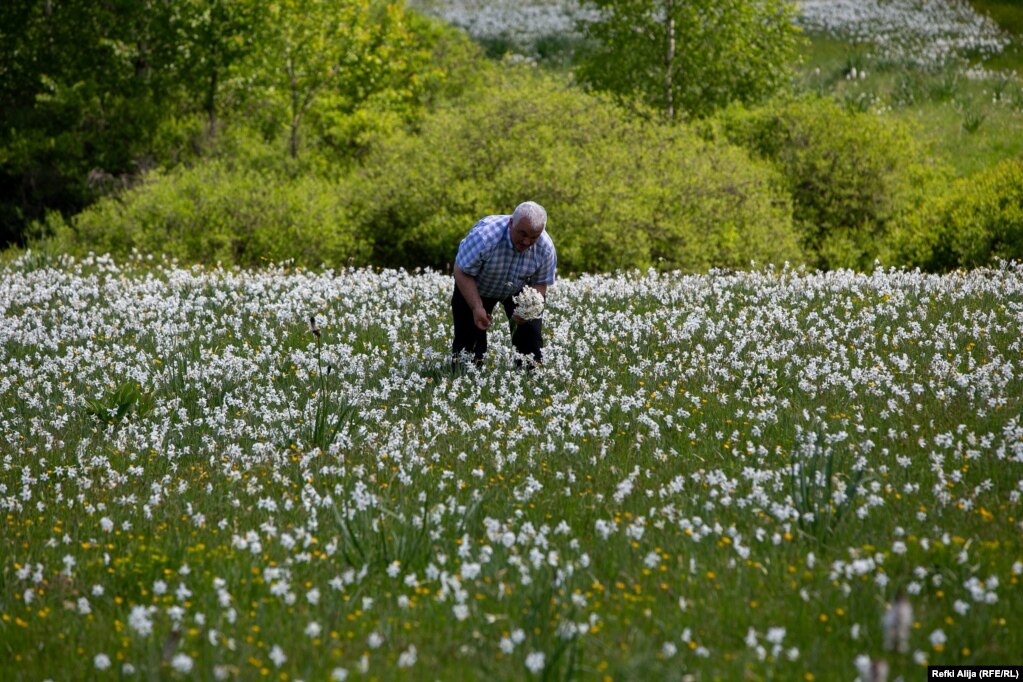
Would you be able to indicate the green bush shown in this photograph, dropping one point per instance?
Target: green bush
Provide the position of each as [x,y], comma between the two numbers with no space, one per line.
[214,213]
[621,192]
[978,220]
[852,175]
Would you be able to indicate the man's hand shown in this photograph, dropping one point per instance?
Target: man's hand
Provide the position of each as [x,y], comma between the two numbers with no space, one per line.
[467,285]
[481,318]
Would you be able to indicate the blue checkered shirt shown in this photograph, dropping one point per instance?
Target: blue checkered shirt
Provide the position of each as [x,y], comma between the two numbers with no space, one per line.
[500,271]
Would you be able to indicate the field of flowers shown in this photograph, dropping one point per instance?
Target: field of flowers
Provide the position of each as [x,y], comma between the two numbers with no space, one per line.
[926,33]
[767,475]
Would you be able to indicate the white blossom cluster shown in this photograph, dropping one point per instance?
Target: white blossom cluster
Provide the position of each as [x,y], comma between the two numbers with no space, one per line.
[922,32]
[529,303]
[687,446]
[522,21]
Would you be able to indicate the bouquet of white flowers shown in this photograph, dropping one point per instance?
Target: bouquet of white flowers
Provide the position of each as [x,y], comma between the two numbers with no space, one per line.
[528,304]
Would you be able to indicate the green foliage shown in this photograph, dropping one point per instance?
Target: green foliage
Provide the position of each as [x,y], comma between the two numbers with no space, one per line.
[94,96]
[213,38]
[85,87]
[851,174]
[119,402]
[940,102]
[435,64]
[690,56]
[622,192]
[822,490]
[215,213]
[347,66]
[979,219]
[333,412]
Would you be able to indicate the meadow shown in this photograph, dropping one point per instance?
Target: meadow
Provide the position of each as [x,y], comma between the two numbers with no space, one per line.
[216,473]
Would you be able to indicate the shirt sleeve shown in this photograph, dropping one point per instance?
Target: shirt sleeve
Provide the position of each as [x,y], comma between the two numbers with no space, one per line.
[545,274]
[472,252]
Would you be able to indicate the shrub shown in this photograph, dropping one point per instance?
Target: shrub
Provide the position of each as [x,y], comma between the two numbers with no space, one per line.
[214,213]
[851,174]
[621,192]
[978,220]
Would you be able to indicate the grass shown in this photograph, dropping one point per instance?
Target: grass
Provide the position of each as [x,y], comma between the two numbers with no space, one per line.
[971,124]
[700,462]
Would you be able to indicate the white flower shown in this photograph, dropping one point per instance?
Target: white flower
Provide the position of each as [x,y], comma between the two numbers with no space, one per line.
[375,640]
[313,630]
[535,661]
[101,661]
[140,620]
[529,303]
[407,658]
[339,674]
[898,620]
[277,656]
[182,663]
[862,664]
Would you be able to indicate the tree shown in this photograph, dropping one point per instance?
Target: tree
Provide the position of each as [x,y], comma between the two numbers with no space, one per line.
[210,37]
[689,56]
[335,53]
[622,191]
[83,87]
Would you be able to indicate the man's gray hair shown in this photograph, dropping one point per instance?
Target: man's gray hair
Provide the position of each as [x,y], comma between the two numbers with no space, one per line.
[532,212]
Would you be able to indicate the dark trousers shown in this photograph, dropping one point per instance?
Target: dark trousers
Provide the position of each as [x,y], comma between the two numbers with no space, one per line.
[526,338]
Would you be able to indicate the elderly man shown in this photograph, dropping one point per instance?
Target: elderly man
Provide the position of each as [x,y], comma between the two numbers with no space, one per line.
[501,255]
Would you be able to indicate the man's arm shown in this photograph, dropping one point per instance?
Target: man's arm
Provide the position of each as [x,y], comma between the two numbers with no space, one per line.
[467,285]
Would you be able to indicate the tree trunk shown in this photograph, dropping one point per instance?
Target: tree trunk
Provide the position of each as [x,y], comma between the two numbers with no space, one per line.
[211,102]
[669,60]
[296,112]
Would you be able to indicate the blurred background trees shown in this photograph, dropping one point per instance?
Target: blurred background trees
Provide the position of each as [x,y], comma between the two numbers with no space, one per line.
[689,57]
[95,95]
[662,133]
